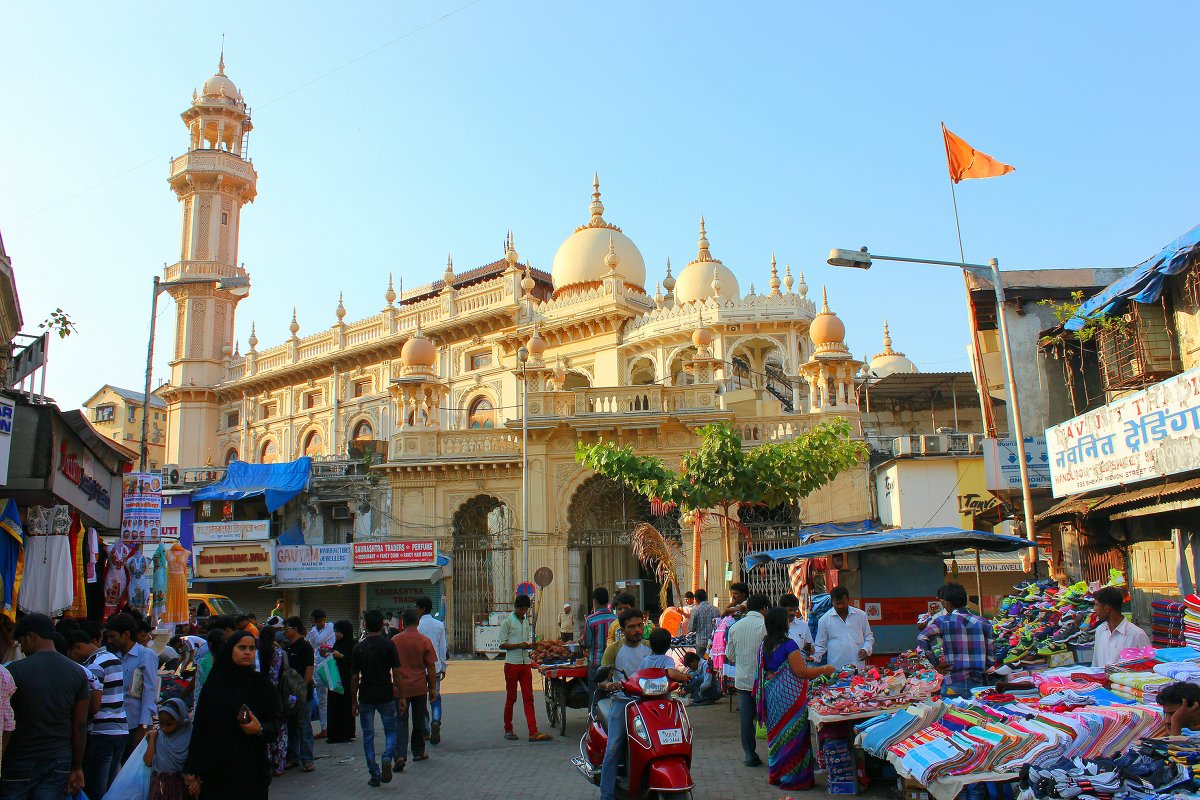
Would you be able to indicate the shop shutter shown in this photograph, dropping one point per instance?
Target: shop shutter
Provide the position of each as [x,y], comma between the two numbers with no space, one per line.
[396,597]
[245,594]
[338,602]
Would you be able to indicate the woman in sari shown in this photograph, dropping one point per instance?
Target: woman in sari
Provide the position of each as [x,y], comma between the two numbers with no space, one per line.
[270,662]
[341,720]
[782,693]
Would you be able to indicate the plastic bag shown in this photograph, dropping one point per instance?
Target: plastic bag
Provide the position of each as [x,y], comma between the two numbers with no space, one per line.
[329,675]
[133,781]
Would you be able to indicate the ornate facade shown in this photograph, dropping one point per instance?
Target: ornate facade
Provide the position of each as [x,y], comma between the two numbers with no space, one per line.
[434,386]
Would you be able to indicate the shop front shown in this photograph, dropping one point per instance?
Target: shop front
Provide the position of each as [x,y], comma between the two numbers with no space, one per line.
[316,576]
[394,574]
[234,559]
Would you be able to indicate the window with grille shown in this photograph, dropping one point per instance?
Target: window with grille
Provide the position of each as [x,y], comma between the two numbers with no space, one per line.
[1139,352]
[480,360]
[106,413]
[361,388]
[232,419]
[312,399]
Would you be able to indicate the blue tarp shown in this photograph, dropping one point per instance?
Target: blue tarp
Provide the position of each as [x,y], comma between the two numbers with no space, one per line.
[279,483]
[1144,284]
[944,539]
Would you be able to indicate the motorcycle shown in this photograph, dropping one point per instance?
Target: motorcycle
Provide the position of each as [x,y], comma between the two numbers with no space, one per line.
[658,754]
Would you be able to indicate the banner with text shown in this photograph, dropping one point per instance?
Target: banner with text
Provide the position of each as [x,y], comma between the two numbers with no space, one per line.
[303,563]
[141,508]
[245,560]
[1148,434]
[395,554]
[250,530]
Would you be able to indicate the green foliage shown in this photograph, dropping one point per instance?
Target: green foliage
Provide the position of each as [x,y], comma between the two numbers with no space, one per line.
[1093,325]
[58,322]
[720,474]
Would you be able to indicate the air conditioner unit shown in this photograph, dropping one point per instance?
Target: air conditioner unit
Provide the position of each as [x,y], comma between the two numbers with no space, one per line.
[339,512]
[960,443]
[170,475]
[902,446]
[934,445]
[977,442]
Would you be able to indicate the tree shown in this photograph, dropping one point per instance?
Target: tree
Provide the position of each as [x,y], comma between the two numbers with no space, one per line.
[720,474]
[59,322]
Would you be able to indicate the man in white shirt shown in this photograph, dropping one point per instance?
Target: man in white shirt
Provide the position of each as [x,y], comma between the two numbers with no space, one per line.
[321,637]
[798,630]
[1114,633]
[742,651]
[843,633]
[435,630]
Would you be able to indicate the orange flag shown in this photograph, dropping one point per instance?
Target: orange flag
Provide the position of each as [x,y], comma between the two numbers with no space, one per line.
[966,162]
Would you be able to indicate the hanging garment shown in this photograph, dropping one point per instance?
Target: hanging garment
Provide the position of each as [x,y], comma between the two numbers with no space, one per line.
[116,582]
[46,587]
[158,591]
[78,609]
[177,588]
[92,554]
[138,568]
[12,543]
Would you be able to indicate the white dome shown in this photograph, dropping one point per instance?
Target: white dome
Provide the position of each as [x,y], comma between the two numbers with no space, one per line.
[219,85]
[890,362]
[580,259]
[695,282]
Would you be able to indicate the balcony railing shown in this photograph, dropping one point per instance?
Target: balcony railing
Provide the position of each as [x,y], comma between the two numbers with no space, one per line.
[478,444]
[623,400]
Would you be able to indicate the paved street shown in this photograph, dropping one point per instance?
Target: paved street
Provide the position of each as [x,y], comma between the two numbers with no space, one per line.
[475,761]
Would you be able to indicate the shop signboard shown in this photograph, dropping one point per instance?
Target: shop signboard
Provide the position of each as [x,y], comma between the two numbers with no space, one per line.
[231,561]
[1147,434]
[141,508]
[1003,465]
[80,481]
[248,530]
[897,610]
[303,563]
[8,412]
[370,555]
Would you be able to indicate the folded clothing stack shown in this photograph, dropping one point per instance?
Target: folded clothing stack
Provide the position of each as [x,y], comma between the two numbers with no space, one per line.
[1142,687]
[1187,671]
[1155,769]
[1166,622]
[1191,621]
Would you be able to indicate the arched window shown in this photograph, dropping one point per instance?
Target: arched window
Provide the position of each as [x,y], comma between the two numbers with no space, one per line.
[231,456]
[314,445]
[363,432]
[269,454]
[482,414]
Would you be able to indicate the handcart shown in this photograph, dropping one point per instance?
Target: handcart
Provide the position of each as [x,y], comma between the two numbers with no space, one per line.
[565,686]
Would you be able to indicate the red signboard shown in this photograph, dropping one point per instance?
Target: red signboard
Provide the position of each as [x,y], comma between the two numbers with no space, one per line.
[897,610]
[395,554]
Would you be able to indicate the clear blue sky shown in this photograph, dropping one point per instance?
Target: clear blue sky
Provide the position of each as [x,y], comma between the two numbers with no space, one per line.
[793,127]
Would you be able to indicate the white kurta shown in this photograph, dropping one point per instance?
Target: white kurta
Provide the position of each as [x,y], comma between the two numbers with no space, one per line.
[842,639]
[1109,643]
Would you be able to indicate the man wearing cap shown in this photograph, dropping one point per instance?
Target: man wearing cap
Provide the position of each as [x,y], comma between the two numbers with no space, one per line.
[44,753]
[566,623]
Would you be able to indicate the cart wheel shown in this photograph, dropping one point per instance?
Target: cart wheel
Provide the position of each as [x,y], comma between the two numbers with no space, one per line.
[551,705]
[562,709]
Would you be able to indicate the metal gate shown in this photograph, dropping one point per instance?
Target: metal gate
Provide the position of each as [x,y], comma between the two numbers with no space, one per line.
[481,550]
[768,529]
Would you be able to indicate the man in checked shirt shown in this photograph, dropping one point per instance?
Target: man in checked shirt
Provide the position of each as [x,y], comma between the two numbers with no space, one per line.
[967,643]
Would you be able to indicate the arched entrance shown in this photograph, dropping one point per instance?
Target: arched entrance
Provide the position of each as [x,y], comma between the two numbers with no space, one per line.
[482,559]
[602,515]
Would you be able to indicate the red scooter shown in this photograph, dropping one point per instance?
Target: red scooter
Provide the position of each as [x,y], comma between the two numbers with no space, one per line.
[658,757]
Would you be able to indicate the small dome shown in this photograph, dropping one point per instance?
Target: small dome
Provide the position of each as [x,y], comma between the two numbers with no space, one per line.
[582,257]
[890,362]
[702,337]
[536,345]
[826,329]
[219,85]
[418,351]
[695,282]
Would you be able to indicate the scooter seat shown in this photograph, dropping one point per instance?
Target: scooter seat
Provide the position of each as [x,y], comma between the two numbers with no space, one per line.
[603,709]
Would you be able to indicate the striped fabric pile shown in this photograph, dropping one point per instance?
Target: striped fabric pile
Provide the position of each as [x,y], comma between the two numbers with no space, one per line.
[1141,687]
[1191,621]
[1166,622]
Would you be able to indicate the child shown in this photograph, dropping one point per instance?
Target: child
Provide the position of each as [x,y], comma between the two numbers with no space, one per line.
[703,689]
[660,643]
[167,750]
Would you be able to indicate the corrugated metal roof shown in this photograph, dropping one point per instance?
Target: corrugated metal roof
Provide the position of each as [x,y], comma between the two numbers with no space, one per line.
[1075,505]
[1088,503]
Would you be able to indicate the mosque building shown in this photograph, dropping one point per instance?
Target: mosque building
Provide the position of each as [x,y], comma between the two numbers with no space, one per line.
[430,389]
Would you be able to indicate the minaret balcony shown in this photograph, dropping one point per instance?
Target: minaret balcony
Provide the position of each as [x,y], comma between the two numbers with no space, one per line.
[181,270]
[213,162]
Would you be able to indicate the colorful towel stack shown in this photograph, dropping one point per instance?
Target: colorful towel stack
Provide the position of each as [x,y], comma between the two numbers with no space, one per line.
[1166,622]
[1141,687]
[1191,621]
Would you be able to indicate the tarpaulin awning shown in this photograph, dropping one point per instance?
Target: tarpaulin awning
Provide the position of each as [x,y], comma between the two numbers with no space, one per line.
[943,539]
[278,483]
[1144,284]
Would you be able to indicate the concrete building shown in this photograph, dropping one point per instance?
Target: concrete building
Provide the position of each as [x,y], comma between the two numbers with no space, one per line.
[116,414]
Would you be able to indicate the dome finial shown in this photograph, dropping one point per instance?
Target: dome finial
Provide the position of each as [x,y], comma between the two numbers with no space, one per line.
[612,260]
[702,246]
[658,295]
[803,287]
[774,282]
[527,282]
[787,278]
[887,339]
[597,207]
[294,327]
[825,302]
[448,275]
[510,250]
[669,281]
[340,311]
[221,63]
[390,294]
[253,340]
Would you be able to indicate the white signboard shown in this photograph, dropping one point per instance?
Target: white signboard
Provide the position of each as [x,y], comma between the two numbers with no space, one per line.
[251,530]
[7,416]
[1002,465]
[1148,434]
[303,563]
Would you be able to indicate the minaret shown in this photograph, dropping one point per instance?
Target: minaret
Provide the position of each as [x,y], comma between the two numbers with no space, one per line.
[212,180]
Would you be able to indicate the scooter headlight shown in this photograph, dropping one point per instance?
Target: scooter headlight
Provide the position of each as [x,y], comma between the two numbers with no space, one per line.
[653,687]
[639,729]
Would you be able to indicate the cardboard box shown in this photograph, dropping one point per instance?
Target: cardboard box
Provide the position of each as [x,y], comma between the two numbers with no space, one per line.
[911,790]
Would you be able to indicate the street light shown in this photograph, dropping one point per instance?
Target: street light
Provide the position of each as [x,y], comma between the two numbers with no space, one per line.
[236,286]
[862,258]
[523,357]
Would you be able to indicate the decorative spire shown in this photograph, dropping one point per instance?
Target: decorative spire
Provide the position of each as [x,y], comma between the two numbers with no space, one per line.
[612,260]
[669,281]
[752,289]
[825,302]
[803,287]
[716,281]
[237,348]
[253,340]
[527,283]
[774,282]
[702,246]
[887,343]
[597,208]
[658,295]
[340,311]
[448,275]
[390,294]
[787,278]
[221,63]
[510,251]
[294,327]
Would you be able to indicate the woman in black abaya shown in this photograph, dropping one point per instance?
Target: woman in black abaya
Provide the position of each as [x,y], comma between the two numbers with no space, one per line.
[237,715]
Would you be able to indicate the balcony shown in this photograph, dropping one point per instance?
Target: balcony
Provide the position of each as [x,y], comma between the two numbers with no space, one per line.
[1138,352]
[195,161]
[629,401]
[479,444]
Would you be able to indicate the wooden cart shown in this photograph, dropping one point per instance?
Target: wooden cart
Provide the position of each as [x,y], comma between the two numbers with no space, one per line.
[565,686]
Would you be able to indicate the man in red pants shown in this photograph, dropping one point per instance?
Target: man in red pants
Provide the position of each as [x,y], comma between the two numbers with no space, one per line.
[516,640]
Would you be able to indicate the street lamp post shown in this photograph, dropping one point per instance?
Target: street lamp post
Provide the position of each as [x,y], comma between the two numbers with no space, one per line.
[523,357]
[237,286]
[861,259]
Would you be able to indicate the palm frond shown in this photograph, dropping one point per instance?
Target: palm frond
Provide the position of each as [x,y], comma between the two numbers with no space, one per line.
[660,555]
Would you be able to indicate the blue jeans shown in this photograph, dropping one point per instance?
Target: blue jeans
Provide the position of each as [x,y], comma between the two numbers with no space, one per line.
[35,778]
[701,693]
[747,714]
[616,748]
[435,710]
[366,719]
[300,738]
[101,762]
